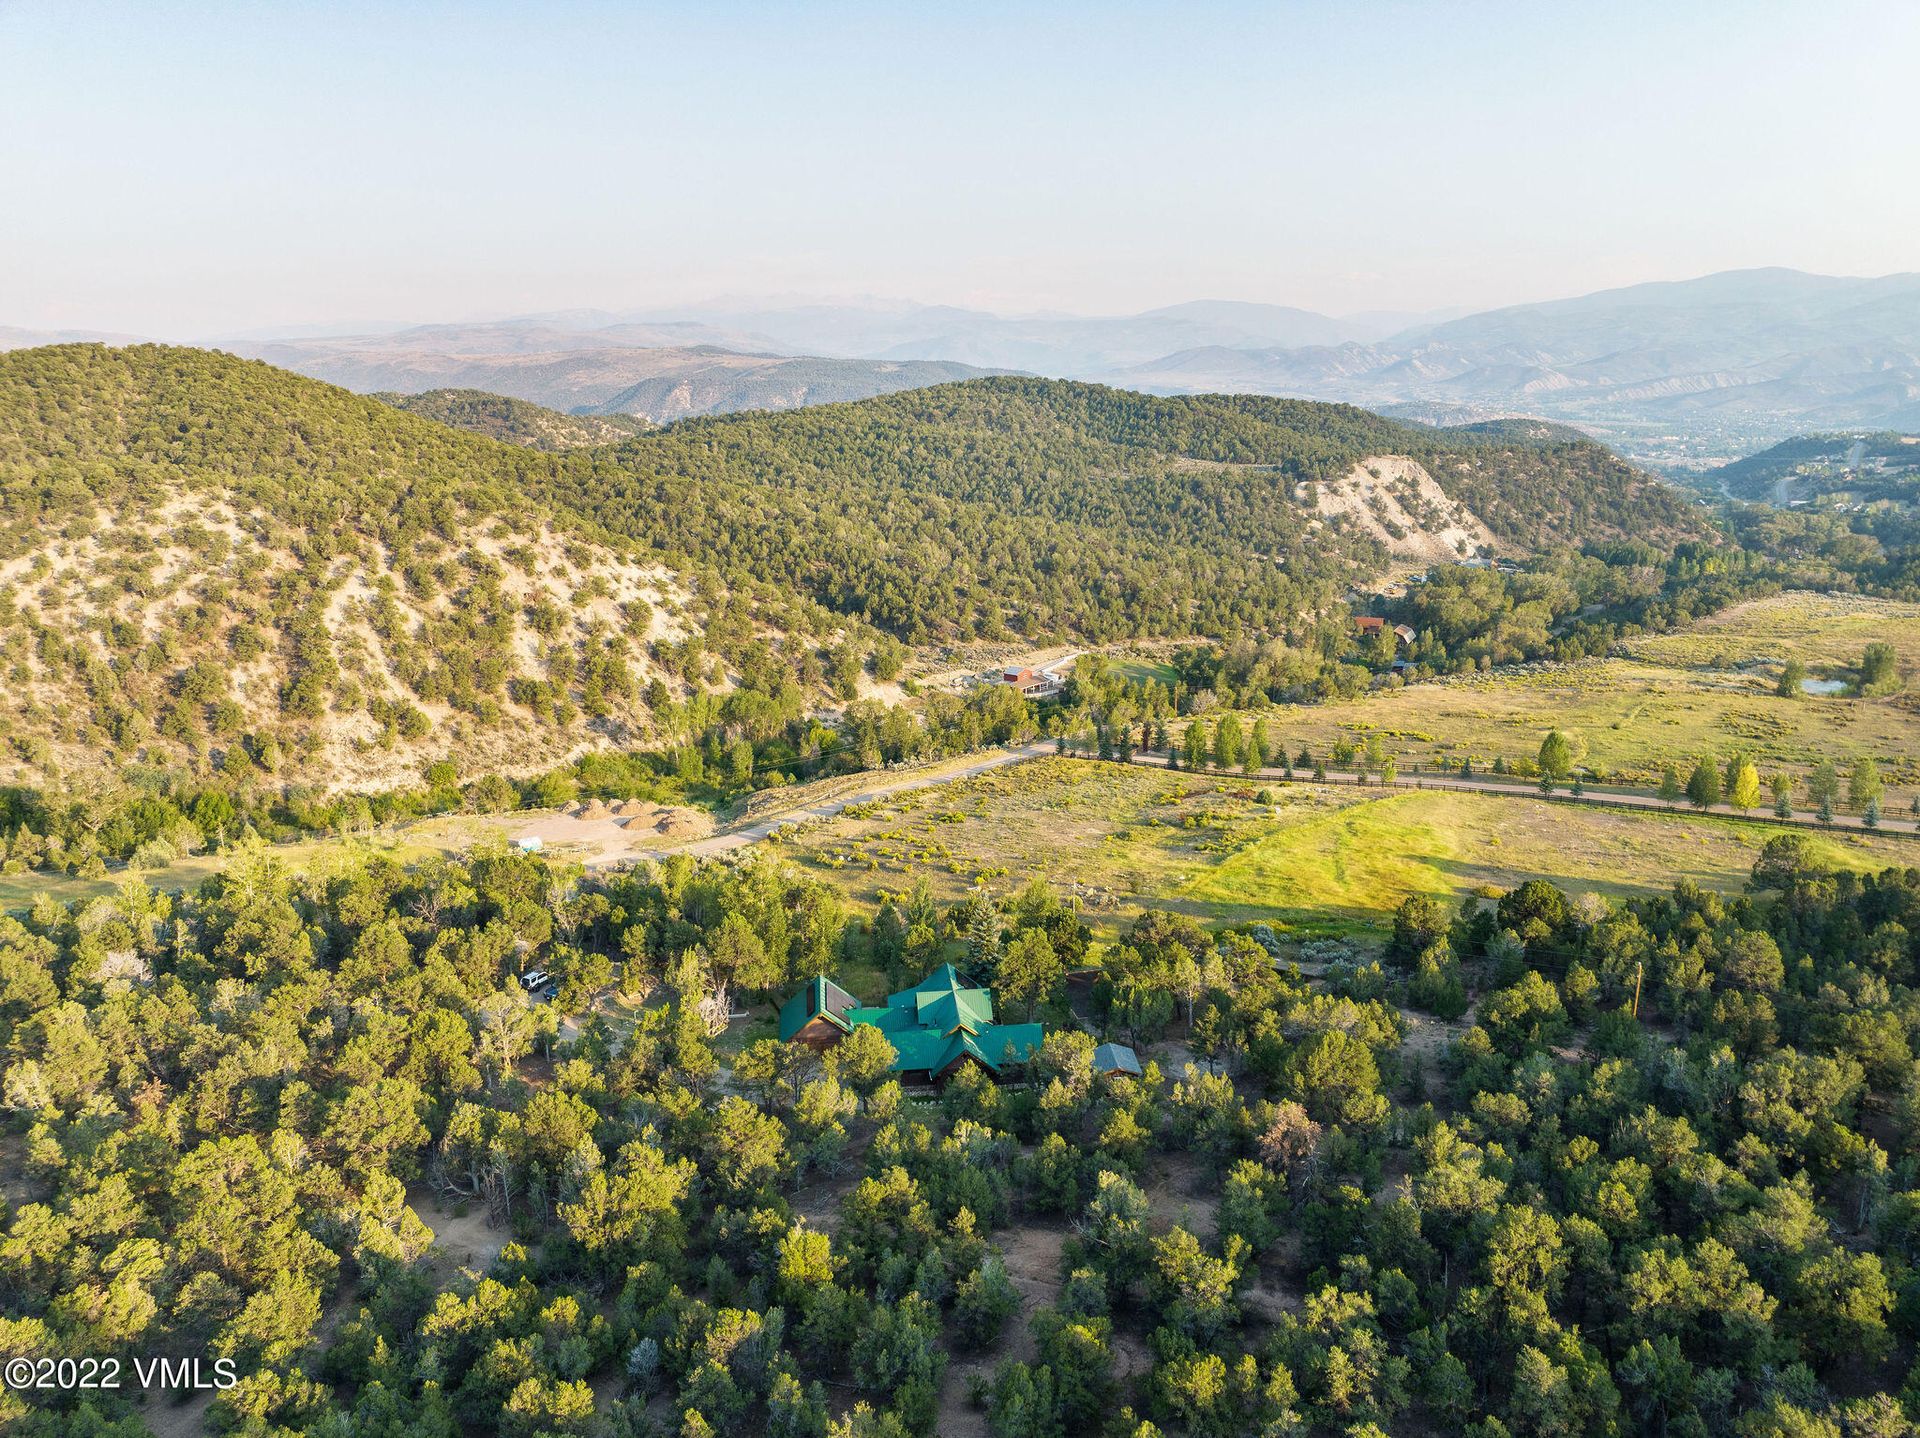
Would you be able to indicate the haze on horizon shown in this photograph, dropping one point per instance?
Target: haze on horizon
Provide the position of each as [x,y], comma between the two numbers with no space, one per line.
[194,169]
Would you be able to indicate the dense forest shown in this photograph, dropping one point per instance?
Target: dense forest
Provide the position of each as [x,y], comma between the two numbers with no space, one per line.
[1067,509]
[1663,1181]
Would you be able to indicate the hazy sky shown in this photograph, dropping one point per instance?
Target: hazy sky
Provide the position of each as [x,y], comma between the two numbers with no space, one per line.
[188,169]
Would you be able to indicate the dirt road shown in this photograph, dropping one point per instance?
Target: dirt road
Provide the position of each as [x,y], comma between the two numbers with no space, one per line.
[751,832]
[1612,799]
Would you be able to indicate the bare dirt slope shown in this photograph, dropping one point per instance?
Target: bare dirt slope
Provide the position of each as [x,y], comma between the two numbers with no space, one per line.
[1397,502]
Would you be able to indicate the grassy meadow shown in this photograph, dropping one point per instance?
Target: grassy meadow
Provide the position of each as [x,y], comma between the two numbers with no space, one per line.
[1666,699]
[1335,857]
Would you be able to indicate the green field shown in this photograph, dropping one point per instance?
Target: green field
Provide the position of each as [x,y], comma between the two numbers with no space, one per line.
[1666,699]
[1321,857]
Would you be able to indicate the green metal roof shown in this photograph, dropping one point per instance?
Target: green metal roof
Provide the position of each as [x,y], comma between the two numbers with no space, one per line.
[996,1045]
[930,1025]
[820,998]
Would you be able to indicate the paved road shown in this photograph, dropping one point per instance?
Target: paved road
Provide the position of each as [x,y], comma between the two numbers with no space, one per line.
[1608,799]
[740,835]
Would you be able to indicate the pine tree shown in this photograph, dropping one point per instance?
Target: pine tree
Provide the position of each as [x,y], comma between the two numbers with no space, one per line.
[1703,789]
[983,934]
[1670,791]
[1783,796]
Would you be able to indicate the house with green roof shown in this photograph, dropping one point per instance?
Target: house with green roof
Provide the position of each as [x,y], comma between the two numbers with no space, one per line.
[934,1026]
[817,1015]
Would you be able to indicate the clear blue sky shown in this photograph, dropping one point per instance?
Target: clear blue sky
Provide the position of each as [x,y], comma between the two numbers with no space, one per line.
[195,168]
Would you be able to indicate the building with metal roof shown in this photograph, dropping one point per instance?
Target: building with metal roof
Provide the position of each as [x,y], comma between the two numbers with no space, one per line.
[934,1026]
[1116,1059]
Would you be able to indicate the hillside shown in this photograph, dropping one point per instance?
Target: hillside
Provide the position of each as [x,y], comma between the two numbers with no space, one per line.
[1057,508]
[516,421]
[206,558]
[1826,470]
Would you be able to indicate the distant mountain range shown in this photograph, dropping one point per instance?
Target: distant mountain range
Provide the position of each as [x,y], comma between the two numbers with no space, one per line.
[661,372]
[1680,375]
[1059,345]
[1667,372]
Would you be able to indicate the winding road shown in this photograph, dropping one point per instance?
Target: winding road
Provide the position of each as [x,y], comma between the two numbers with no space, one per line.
[747,832]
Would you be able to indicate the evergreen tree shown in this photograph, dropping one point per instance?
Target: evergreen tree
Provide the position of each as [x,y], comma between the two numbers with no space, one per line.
[1703,788]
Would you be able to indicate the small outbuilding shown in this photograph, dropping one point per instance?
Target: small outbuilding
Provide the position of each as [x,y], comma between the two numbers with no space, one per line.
[1113,1060]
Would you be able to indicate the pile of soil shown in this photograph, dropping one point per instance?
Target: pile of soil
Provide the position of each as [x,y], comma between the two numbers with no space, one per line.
[594,810]
[679,824]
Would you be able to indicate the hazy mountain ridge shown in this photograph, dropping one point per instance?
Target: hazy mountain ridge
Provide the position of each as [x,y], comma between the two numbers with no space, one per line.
[1728,358]
[574,372]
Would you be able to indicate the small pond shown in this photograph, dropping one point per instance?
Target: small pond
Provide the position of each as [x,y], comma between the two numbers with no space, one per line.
[1823,686]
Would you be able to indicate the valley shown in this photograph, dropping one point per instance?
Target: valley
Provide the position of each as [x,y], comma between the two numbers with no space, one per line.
[847,721]
[505,777]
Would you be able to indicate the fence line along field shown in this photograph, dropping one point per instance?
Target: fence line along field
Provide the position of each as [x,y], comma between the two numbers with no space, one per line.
[1304,856]
[1668,699]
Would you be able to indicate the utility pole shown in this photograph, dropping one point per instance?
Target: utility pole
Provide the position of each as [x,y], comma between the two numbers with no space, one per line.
[1636,988]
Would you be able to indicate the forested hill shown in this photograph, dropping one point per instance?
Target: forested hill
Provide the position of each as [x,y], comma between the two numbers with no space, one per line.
[517,421]
[206,553]
[1810,465]
[208,560]
[1055,507]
